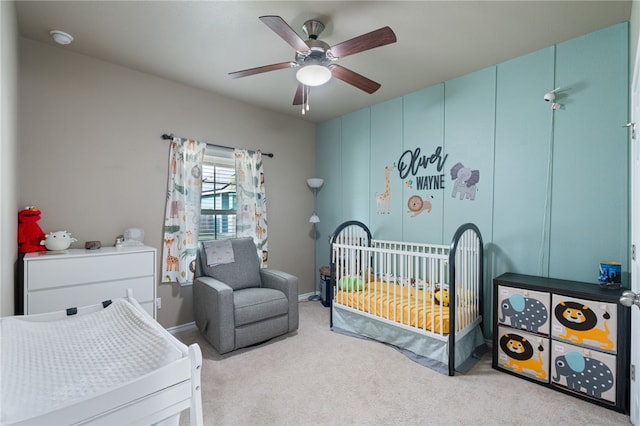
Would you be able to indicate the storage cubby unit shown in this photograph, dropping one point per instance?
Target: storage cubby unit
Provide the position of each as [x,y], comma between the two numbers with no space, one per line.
[566,335]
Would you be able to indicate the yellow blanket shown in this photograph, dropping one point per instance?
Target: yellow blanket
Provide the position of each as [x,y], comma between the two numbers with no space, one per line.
[402,304]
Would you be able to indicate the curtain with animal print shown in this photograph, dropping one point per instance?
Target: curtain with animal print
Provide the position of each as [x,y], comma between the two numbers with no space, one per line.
[251,201]
[182,213]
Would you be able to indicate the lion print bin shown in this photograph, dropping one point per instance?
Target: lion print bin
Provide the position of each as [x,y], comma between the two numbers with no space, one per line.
[585,322]
[523,353]
[583,370]
[524,309]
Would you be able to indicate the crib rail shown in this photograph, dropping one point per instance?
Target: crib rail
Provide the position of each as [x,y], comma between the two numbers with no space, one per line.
[352,232]
[466,259]
[395,284]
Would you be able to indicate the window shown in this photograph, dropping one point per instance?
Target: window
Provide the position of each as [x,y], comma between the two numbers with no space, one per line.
[218,203]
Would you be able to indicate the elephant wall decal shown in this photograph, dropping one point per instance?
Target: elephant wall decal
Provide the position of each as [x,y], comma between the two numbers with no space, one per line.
[465,181]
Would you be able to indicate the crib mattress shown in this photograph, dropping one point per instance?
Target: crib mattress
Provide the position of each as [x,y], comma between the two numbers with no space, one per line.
[401,304]
[45,366]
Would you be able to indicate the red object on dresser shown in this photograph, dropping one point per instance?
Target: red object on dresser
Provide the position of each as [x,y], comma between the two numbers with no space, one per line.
[29,232]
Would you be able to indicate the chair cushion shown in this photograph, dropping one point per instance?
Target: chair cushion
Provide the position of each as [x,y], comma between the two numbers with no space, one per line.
[244,272]
[257,304]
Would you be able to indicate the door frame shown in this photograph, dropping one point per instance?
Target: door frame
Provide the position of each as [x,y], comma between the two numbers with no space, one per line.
[634,267]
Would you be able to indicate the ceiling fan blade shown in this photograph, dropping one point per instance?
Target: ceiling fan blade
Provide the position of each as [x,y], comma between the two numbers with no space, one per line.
[297,99]
[354,79]
[377,38]
[259,70]
[280,27]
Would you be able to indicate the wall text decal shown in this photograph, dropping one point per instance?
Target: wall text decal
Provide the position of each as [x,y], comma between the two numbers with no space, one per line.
[412,163]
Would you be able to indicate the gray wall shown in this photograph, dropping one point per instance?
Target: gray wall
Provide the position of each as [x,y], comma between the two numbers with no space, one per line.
[91,157]
[8,154]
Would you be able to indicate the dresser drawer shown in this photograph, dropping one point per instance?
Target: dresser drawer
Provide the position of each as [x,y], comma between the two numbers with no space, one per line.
[58,270]
[585,322]
[49,300]
[524,309]
[582,370]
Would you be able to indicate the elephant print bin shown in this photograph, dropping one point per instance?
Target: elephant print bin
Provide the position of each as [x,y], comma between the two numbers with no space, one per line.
[524,309]
[587,371]
[585,323]
[523,353]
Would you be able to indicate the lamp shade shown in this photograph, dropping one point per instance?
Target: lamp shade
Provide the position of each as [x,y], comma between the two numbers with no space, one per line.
[315,182]
[313,75]
[314,218]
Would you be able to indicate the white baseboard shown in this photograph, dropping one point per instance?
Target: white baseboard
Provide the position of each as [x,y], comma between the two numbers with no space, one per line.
[305,297]
[190,326]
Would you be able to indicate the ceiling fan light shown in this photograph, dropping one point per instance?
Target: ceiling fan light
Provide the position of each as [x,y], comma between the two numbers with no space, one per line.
[313,75]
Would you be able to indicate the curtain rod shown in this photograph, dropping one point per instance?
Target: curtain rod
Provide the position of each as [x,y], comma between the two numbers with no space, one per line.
[170,137]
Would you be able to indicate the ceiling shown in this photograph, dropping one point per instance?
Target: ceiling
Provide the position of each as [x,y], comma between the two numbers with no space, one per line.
[199,42]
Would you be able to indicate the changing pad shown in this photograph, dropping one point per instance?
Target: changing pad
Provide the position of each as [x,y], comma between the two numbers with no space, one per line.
[49,365]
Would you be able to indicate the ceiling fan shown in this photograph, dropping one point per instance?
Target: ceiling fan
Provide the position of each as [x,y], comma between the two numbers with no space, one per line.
[316,60]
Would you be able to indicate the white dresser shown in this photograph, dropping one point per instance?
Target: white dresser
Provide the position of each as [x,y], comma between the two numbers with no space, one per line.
[56,281]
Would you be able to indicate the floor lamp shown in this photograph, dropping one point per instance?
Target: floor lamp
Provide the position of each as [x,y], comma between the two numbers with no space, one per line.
[314,184]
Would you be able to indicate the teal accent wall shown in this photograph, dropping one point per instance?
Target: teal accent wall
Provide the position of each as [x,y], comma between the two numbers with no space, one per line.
[469,141]
[553,187]
[590,191]
[524,132]
[355,157]
[423,125]
[386,142]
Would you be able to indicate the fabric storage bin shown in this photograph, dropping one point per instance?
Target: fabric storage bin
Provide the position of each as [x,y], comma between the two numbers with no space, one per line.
[523,353]
[583,370]
[585,322]
[524,309]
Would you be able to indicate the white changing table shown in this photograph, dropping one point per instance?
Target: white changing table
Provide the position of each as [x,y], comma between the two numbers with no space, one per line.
[110,365]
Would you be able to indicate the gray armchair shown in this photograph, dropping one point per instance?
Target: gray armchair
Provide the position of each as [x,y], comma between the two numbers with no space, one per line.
[238,304]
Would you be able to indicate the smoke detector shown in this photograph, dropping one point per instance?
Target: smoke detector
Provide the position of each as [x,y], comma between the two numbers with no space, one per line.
[61,37]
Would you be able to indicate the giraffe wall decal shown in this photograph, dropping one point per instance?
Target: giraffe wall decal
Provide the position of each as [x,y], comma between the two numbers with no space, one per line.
[383,201]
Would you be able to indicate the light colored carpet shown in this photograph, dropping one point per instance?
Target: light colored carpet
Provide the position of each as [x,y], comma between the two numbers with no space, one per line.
[319,377]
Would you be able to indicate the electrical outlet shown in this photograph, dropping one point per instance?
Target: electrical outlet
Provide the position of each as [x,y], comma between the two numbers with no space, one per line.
[158,303]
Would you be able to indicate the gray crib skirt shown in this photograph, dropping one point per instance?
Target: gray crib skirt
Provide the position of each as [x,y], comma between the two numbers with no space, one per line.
[425,350]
